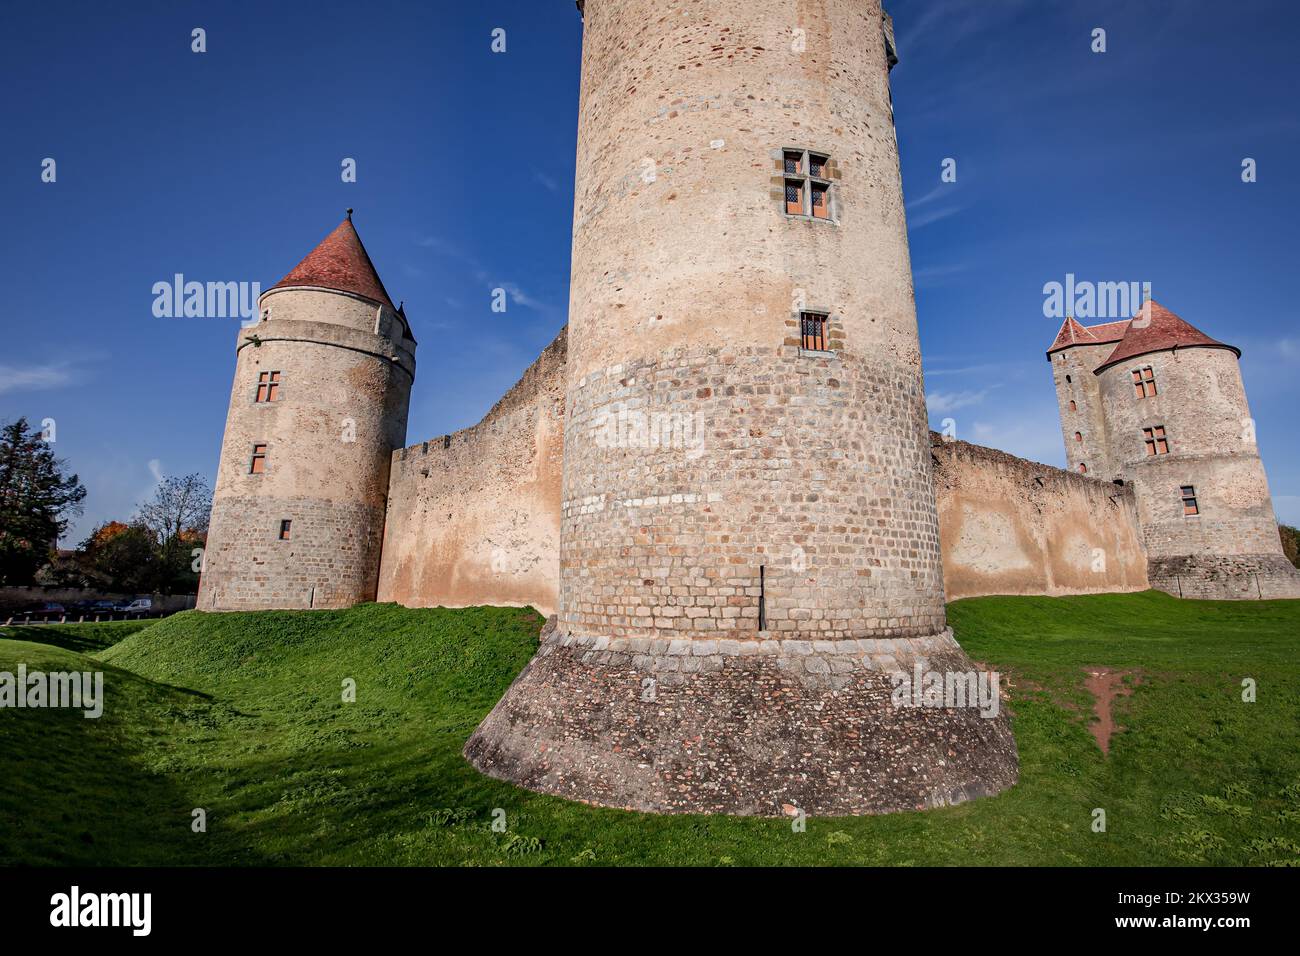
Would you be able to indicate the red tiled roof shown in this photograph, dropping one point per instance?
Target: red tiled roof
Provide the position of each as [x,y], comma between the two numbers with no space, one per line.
[1072,333]
[1159,330]
[340,262]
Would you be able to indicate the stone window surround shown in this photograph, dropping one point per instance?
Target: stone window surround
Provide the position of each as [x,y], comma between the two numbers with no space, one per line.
[265,456]
[832,202]
[279,394]
[1152,438]
[1141,379]
[834,328]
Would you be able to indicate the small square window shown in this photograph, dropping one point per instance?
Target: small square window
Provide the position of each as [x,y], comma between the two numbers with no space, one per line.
[817,166]
[286,527]
[258,464]
[1190,506]
[793,164]
[812,331]
[1155,440]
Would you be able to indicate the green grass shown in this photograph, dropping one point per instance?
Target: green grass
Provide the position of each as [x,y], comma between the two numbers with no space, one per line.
[241,714]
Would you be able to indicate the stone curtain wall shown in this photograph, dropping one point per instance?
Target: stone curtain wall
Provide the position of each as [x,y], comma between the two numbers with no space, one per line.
[1011,526]
[478,522]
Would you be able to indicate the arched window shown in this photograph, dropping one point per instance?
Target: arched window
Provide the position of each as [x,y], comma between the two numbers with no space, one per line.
[1078,436]
[1083,469]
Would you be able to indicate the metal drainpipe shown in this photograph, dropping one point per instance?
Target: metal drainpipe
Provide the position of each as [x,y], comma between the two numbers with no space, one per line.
[762,597]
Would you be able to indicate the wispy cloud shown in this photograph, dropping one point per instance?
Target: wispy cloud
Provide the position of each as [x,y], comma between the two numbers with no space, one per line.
[932,216]
[546,181]
[15,378]
[940,403]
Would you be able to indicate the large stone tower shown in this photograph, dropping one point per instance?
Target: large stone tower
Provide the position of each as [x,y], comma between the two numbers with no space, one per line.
[1162,405]
[749,541]
[318,405]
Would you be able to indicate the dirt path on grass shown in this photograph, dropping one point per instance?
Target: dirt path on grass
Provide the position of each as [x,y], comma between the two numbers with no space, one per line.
[1105,685]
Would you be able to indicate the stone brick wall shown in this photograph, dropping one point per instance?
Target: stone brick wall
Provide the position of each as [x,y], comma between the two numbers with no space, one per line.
[329,436]
[1011,526]
[688,277]
[1072,374]
[475,518]
[1201,402]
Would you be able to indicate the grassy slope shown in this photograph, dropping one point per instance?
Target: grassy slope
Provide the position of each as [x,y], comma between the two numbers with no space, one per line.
[241,714]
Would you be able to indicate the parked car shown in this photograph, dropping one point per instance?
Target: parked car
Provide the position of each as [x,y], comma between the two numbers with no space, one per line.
[47,609]
[138,606]
[101,607]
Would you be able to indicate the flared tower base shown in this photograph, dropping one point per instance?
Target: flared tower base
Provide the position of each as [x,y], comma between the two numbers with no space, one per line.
[761,727]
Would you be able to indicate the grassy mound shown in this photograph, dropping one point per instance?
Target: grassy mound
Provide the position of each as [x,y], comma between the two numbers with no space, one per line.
[243,715]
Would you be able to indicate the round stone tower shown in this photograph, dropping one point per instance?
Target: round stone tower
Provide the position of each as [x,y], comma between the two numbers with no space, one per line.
[1179,428]
[319,403]
[749,539]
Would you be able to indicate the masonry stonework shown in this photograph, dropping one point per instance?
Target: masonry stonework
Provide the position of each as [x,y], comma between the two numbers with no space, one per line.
[343,361]
[726,479]
[1011,526]
[1168,405]
[474,517]
[720,476]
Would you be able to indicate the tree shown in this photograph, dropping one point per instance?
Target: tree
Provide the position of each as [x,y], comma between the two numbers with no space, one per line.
[177,520]
[36,502]
[1290,542]
[121,558]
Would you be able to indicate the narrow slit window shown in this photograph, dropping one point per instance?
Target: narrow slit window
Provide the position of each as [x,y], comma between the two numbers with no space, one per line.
[812,328]
[1155,440]
[258,464]
[1144,382]
[286,527]
[268,386]
[1190,507]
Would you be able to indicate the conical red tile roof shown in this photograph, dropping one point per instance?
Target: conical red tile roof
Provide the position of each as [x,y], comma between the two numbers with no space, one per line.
[1072,333]
[1156,329]
[340,262]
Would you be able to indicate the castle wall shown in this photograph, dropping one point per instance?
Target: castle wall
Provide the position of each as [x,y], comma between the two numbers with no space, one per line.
[1231,548]
[329,435]
[1072,374]
[478,521]
[1011,526]
[804,474]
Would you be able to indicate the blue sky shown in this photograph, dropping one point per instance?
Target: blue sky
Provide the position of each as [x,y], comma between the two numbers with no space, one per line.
[224,166]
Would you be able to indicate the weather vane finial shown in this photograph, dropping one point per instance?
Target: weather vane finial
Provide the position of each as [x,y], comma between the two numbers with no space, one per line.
[349,213]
